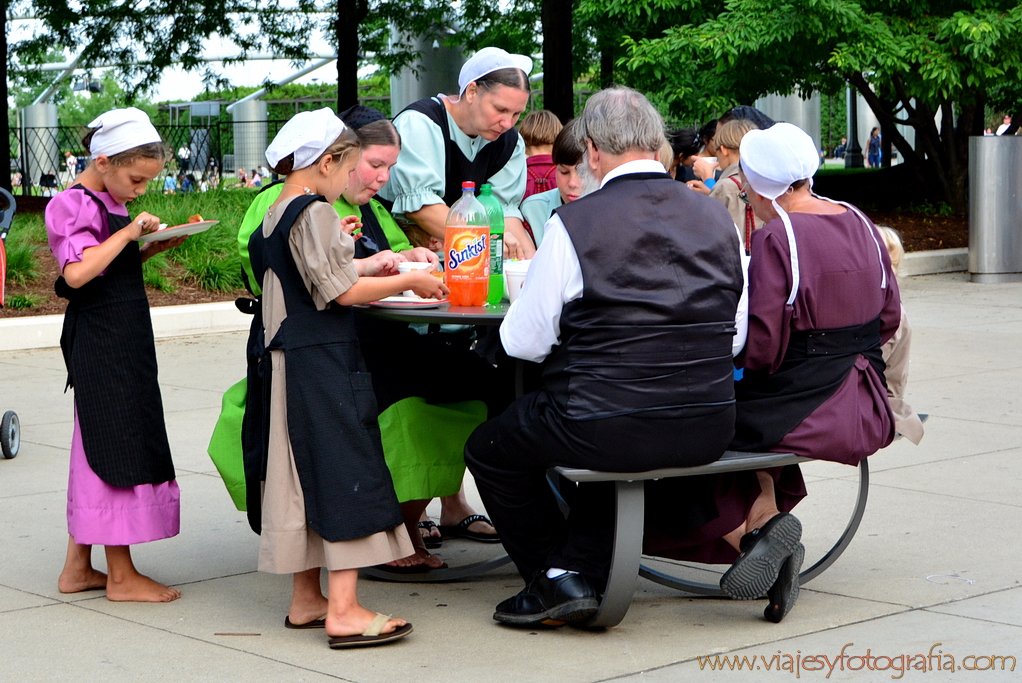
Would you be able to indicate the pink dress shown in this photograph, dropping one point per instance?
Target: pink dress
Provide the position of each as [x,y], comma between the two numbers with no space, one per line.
[98,513]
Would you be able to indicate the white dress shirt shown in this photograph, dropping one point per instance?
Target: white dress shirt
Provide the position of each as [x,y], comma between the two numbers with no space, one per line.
[532,325]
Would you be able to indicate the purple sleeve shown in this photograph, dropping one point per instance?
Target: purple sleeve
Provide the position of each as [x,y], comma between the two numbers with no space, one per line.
[74,224]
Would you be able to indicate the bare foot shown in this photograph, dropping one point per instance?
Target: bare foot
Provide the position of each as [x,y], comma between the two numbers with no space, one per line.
[430,530]
[139,588]
[78,580]
[421,557]
[355,621]
[307,612]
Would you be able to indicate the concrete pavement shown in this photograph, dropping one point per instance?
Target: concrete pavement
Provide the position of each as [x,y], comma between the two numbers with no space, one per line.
[934,562]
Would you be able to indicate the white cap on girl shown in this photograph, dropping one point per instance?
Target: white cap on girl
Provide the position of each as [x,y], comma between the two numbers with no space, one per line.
[488,60]
[307,135]
[119,130]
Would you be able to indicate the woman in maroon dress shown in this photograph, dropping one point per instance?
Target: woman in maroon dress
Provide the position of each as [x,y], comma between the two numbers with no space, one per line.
[822,300]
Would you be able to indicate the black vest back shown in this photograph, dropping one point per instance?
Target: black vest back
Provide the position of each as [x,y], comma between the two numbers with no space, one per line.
[662,277]
[457,167]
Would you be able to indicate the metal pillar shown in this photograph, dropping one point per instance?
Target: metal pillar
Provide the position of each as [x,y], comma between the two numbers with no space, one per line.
[250,135]
[39,148]
[853,152]
[793,109]
[436,71]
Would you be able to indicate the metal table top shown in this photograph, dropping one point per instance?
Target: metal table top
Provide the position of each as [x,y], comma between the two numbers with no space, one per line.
[444,314]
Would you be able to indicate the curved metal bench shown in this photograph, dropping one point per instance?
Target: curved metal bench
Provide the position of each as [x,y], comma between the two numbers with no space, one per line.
[626,563]
[630,501]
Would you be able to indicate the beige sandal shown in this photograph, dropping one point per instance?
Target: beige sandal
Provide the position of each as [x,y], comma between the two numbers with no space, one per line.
[372,635]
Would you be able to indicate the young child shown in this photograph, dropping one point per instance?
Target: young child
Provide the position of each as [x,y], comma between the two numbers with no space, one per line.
[121,487]
[896,353]
[539,129]
[328,498]
[567,154]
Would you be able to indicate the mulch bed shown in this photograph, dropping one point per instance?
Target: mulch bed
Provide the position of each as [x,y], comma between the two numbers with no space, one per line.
[925,232]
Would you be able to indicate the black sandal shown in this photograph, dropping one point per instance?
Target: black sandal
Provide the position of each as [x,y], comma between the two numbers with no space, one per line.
[460,530]
[431,542]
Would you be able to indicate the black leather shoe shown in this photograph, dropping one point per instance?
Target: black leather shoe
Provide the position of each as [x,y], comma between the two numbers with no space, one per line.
[764,550]
[550,602]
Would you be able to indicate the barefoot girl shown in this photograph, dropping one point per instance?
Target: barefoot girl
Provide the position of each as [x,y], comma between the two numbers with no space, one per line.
[121,488]
[328,498]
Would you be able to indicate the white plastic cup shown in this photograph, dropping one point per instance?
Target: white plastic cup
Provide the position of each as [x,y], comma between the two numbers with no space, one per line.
[514,277]
[409,266]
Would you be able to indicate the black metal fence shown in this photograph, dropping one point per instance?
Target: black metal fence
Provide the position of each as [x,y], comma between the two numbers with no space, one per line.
[40,164]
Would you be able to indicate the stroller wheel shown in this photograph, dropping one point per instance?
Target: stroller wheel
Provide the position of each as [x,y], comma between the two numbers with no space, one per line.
[10,434]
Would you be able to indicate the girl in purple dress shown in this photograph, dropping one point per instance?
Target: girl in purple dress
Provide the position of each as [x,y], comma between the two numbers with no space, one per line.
[121,487]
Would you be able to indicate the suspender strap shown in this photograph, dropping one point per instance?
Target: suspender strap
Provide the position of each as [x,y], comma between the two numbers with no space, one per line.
[277,257]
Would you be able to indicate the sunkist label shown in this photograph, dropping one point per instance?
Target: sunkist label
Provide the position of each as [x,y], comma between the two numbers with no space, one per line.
[468,252]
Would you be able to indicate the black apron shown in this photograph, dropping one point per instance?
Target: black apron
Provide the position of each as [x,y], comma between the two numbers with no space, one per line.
[110,354]
[815,365]
[331,409]
[374,239]
[457,168]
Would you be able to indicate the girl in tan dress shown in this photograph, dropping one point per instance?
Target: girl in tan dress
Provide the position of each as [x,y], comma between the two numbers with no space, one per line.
[328,500]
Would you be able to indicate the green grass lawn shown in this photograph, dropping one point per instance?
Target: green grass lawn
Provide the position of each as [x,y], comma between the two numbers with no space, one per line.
[209,260]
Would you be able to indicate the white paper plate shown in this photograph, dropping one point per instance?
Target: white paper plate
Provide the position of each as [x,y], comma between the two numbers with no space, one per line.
[177,231]
[402,301]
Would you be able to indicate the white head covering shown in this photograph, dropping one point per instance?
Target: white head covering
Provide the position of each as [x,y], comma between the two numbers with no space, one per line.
[774,158]
[307,135]
[488,60]
[119,130]
[777,157]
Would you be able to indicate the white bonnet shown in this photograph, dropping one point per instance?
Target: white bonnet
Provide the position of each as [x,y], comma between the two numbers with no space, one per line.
[307,135]
[488,60]
[119,130]
[774,158]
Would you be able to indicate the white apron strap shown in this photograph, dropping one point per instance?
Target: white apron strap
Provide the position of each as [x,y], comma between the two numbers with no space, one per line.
[792,249]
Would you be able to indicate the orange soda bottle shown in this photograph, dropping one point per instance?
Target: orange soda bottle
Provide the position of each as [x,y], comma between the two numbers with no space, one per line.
[467,250]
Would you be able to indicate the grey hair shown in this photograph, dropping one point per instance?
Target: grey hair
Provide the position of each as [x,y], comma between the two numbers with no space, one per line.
[620,119]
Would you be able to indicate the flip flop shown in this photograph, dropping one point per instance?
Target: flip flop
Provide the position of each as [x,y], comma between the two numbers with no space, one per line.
[371,636]
[432,542]
[460,530]
[315,623]
[413,569]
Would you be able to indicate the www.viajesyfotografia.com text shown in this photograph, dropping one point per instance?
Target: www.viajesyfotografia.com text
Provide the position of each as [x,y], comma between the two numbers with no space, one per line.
[934,660]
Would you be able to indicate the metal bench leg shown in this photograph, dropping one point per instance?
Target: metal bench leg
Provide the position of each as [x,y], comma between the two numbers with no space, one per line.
[624,568]
[806,576]
[846,538]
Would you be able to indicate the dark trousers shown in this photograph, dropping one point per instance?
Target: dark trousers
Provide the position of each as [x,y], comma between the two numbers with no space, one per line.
[509,457]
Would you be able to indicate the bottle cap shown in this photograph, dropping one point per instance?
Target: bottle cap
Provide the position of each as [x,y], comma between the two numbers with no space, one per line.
[468,185]
[486,189]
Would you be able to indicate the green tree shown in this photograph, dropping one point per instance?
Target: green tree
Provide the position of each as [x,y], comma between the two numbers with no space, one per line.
[913,62]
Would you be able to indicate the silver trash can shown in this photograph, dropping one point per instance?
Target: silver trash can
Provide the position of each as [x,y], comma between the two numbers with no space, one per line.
[995,209]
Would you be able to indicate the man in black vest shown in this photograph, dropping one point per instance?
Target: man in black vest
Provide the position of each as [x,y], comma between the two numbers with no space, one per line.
[632,305]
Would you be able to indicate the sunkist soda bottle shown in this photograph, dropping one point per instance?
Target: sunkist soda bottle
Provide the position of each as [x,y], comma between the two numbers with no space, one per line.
[496,214]
[467,249]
